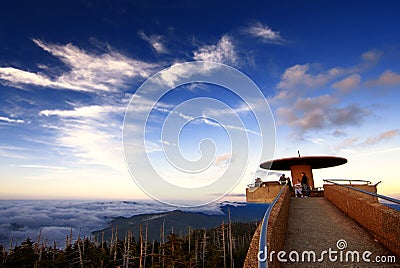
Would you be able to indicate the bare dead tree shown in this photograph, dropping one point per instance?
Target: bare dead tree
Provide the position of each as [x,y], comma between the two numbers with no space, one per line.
[162,243]
[230,239]
[196,252]
[152,253]
[145,244]
[80,252]
[115,243]
[204,244]
[11,245]
[102,239]
[223,243]
[54,251]
[125,249]
[141,246]
[189,236]
[128,249]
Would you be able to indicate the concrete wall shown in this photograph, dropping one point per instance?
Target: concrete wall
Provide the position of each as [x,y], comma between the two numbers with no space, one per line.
[381,221]
[263,194]
[276,232]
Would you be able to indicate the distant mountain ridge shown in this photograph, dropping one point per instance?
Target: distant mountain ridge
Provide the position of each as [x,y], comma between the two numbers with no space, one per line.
[178,221]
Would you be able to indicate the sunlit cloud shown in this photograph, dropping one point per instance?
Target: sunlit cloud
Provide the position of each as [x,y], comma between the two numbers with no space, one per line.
[388,78]
[347,84]
[354,142]
[318,113]
[299,76]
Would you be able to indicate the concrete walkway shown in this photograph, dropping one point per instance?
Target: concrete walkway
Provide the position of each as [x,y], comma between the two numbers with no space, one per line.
[316,225]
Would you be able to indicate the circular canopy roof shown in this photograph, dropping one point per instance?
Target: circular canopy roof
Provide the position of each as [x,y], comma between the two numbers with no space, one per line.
[313,161]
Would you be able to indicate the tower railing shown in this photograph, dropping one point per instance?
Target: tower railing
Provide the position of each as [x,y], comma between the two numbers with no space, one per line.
[388,198]
[264,231]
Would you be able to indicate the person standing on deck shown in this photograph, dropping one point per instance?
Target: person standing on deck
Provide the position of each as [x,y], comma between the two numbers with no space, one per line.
[282,179]
[304,183]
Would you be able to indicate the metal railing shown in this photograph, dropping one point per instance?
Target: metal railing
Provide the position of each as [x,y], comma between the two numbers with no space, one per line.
[394,200]
[350,181]
[262,247]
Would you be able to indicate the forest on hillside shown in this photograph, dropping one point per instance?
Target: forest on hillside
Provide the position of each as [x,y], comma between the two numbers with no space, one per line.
[223,246]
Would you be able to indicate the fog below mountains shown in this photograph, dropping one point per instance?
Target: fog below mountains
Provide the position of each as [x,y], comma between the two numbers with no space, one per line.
[55,218]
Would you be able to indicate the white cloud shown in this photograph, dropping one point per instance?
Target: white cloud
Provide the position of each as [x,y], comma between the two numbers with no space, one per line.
[156,41]
[88,71]
[347,84]
[94,111]
[19,78]
[388,78]
[11,120]
[264,32]
[173,75]
[223,52]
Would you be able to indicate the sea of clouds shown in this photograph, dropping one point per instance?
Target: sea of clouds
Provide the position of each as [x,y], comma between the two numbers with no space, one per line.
[54,219]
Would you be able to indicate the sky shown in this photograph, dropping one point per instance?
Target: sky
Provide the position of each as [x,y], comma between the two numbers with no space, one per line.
[72,71]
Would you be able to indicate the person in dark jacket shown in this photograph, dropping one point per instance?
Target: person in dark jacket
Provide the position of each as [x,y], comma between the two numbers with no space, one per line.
[282,179]
[304,183]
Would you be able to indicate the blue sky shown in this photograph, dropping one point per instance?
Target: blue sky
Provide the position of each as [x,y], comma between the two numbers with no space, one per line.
[68,70]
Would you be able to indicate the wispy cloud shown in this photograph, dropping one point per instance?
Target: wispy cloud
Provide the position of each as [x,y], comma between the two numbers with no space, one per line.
[223,159]
[18,78]
[223,52]
[88,71]
[156,42]
[264,33]
[13,152]
[11,120]
[346,143]
[354,142]
[388,78]
[39,166]
[94,111]
[381,137]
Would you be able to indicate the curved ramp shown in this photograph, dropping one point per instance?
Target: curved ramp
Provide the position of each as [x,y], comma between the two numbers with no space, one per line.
[315,225]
